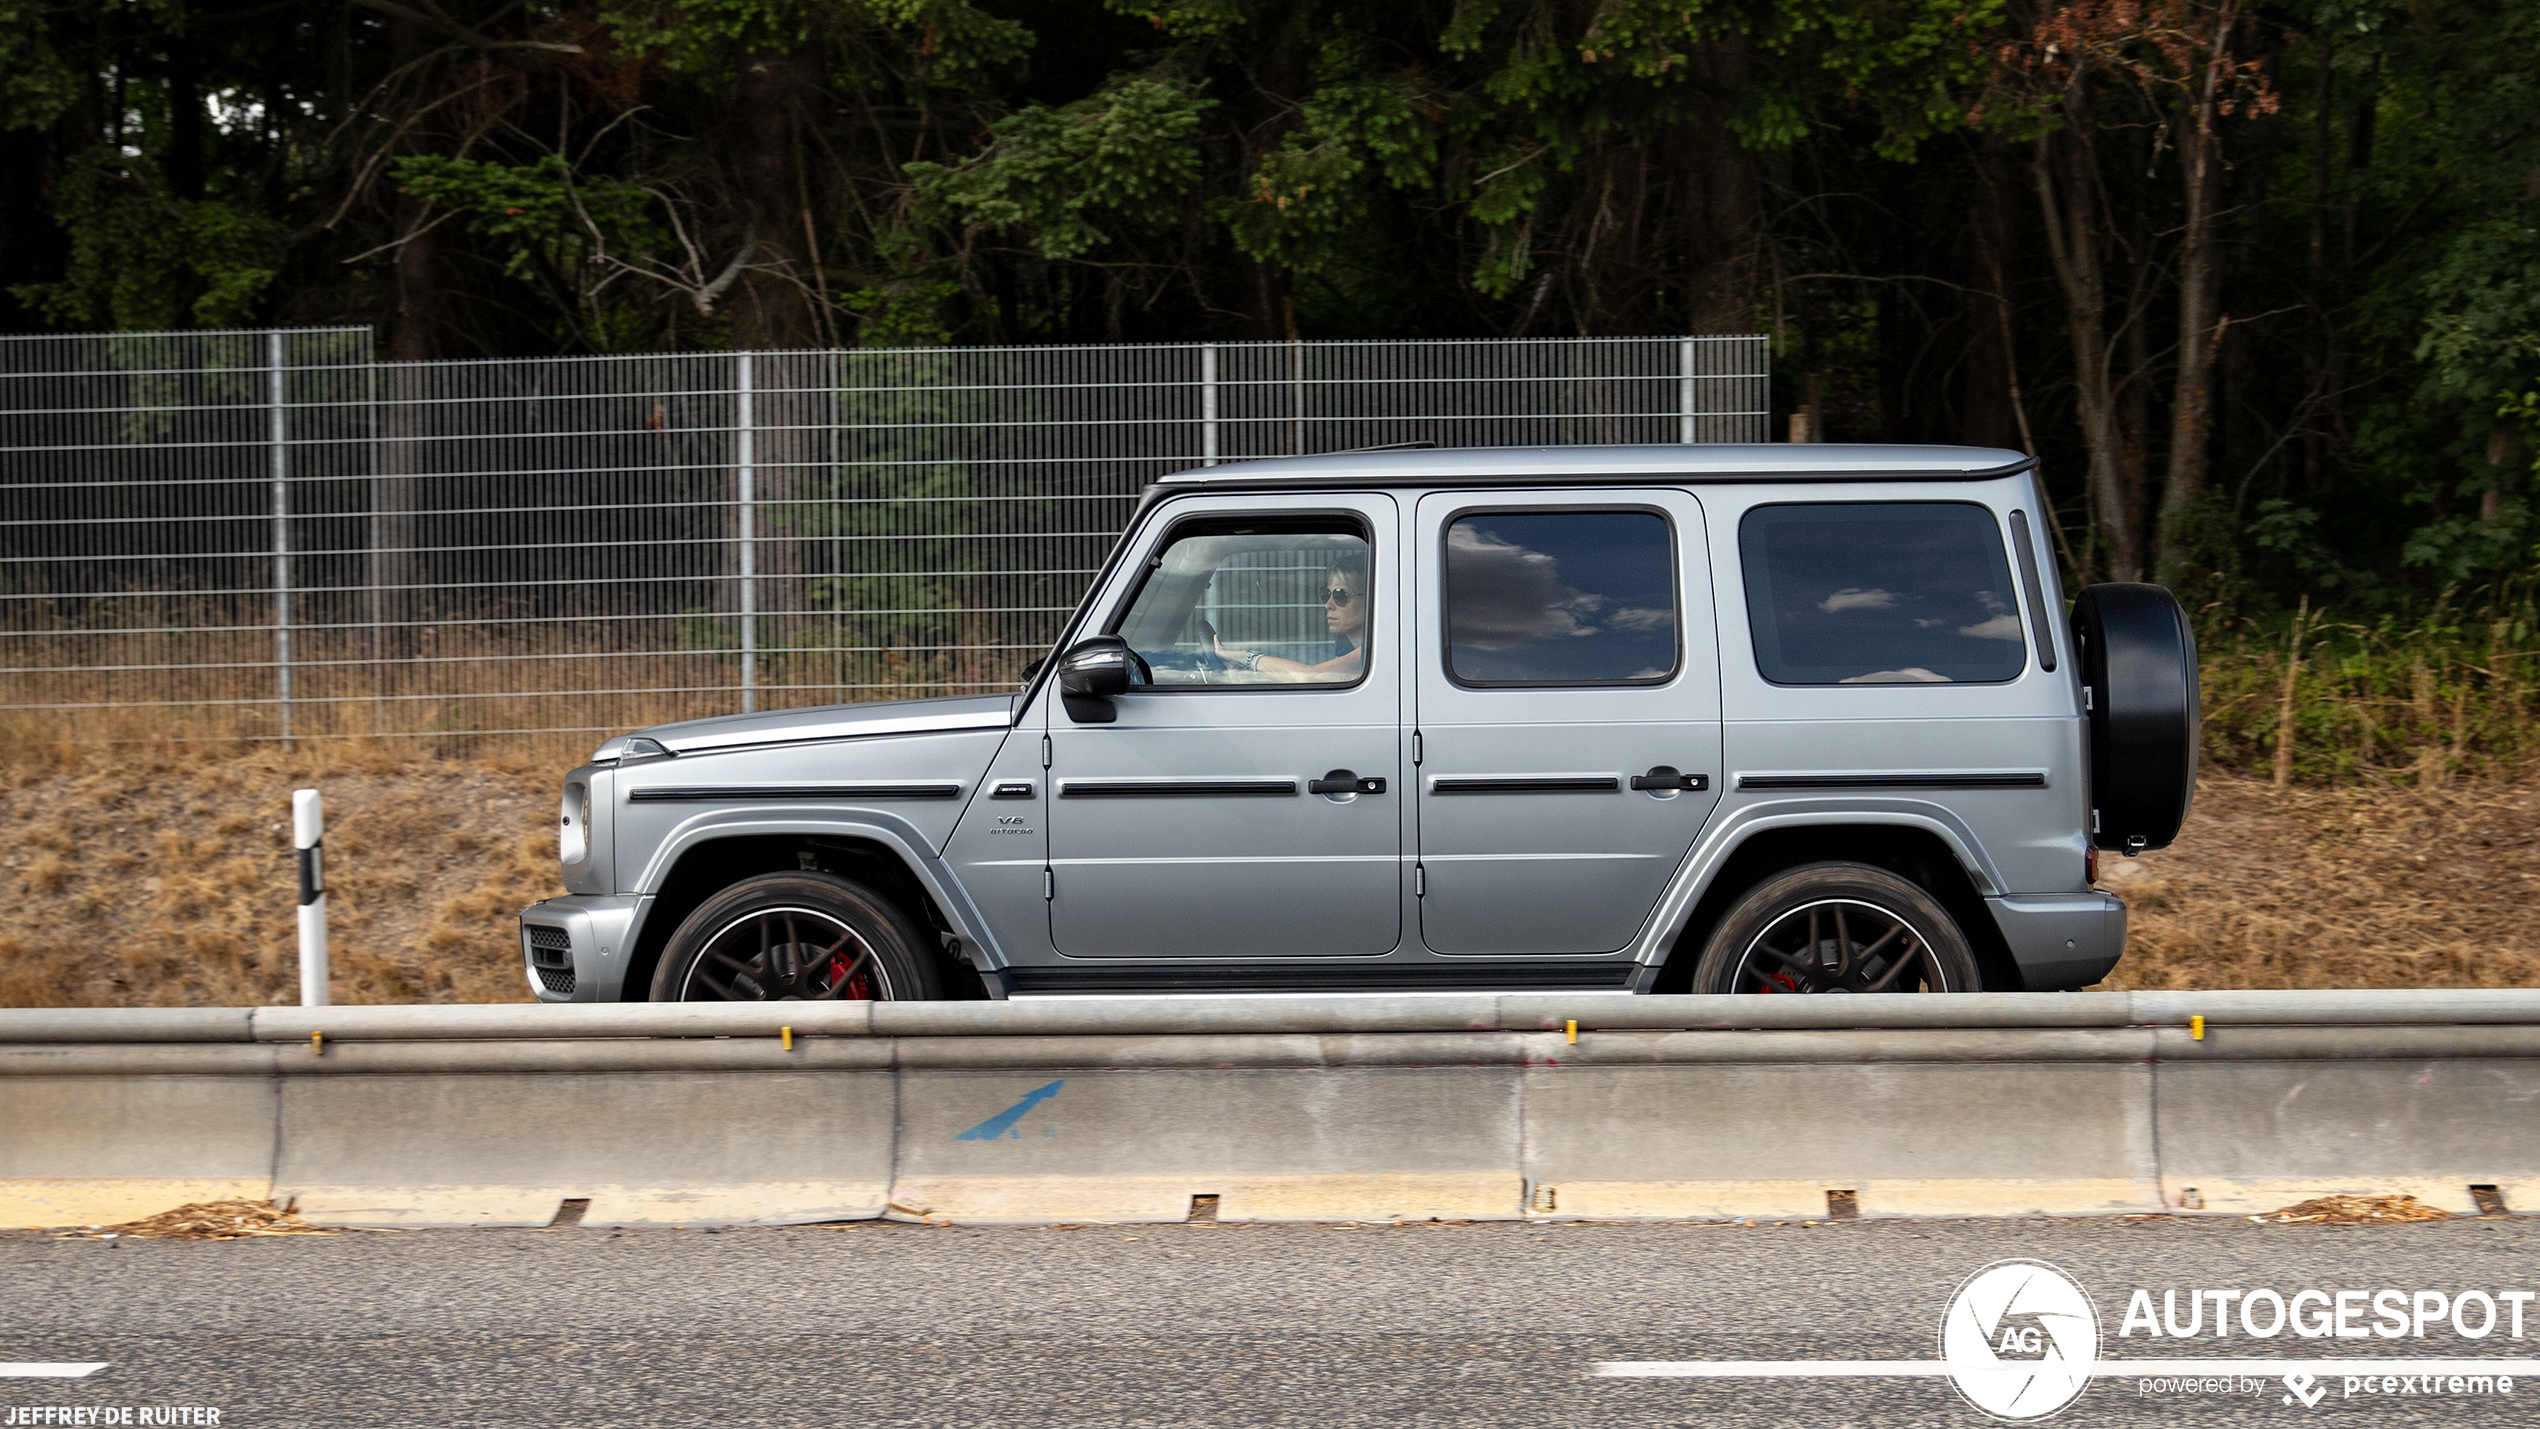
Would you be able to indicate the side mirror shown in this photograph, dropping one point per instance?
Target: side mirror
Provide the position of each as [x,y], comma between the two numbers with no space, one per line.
[1091,673]
[1034,668]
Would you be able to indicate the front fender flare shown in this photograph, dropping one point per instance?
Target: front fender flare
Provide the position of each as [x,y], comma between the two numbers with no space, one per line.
[896,834]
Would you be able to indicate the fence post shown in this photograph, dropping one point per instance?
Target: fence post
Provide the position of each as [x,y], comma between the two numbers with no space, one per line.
[748,542]
[1685,396]
[281,538]
[308,836]
[1208,404]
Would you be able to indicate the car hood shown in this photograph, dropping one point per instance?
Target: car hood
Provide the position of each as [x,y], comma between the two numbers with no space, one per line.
[824,722]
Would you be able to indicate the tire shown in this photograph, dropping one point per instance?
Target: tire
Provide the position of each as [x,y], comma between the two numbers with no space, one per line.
[1776,915]
[860,946]
[2138,662]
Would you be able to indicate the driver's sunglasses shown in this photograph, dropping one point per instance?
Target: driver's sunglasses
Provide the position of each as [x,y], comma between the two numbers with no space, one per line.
[1340,596]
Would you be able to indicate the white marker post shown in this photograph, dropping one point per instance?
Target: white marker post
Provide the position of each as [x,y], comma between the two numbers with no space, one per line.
[308,833]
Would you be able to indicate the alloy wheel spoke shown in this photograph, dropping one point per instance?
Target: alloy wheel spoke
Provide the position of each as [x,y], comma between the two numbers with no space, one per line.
[1914,952]
[738,966]
[1869,972]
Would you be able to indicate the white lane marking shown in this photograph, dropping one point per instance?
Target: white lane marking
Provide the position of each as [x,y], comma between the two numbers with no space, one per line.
[2100,1369]
[34,1369]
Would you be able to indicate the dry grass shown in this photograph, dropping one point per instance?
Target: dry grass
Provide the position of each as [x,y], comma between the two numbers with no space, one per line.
[159,875]
[2355,1211]
[209,1220]
[2386,885]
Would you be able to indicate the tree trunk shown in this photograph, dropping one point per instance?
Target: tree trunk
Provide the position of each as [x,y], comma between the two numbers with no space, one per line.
[414,335]
[2064,190]
[2199,304]
[772,304]
[185,126]
[2315,357]
[1989,399]
[1724,222]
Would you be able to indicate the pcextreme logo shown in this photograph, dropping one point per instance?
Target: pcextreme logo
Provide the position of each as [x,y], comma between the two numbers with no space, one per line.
[2020,1338]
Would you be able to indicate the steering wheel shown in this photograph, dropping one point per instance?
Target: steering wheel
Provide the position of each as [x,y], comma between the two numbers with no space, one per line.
[1209,659]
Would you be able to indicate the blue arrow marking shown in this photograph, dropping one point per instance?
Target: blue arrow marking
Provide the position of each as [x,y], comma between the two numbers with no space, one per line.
[996,1126]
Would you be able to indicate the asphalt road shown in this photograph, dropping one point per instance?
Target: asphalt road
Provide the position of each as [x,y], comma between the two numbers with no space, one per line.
[1168,1325]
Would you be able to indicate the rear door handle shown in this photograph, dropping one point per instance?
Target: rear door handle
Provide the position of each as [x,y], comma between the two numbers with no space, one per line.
[1665,777]
[1342,781]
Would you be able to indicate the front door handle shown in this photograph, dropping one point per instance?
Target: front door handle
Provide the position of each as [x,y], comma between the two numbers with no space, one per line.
[1664,776]
[1342,781]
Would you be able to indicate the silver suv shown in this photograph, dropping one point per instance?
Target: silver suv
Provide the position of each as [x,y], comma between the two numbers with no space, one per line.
[1760,719]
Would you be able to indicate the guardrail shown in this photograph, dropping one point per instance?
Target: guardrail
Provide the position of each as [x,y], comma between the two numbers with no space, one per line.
[1279,1108]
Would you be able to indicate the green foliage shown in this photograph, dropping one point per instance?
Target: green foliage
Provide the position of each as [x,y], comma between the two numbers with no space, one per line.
[536,208]
[1052,176]
[571,236]
[905,313]
[951,43]
[37,83]
[1905,61]
[2482,312]
[140,260]
[2453,689]
[1363,127]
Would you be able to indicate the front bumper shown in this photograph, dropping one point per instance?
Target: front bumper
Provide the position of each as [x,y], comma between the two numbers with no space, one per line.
[2061,940]
[574,949]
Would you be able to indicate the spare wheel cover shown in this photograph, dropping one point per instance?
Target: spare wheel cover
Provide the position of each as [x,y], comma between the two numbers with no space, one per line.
[2138,661]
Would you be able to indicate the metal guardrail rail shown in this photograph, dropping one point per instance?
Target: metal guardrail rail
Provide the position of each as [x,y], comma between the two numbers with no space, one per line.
[1295,1108]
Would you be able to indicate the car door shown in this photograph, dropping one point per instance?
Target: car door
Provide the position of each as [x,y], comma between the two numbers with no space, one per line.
[1244,801]
[1568,714]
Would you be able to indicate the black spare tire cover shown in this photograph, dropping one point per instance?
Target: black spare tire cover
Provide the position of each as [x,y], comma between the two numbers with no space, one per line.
[2138,664]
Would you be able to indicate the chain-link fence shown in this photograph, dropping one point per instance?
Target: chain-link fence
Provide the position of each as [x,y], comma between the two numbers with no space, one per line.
[279,537]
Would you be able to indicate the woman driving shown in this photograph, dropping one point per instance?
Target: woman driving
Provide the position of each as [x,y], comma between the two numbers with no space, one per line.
[1344,614]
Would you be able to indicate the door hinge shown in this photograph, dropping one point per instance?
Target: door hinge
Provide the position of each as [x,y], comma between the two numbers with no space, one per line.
[1049,884]
[1045,751]
[1419,881]
[1415,746]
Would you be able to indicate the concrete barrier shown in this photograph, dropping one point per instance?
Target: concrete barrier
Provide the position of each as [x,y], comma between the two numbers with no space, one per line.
[1282,1108]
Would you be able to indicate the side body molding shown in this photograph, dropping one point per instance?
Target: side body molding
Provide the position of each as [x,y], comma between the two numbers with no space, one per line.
[1721,840]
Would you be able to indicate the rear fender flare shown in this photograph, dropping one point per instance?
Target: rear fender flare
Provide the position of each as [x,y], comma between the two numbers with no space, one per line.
[1721,841]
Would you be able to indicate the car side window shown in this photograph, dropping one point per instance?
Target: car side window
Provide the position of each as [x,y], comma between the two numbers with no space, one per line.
[1880,593]
[1561,598]
[1275,601]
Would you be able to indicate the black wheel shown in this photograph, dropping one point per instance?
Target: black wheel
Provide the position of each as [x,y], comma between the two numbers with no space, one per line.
[797,937]
[1836,927]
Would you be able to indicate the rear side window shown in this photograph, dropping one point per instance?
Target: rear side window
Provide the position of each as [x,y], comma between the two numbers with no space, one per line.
[1863,593]
[1560,598]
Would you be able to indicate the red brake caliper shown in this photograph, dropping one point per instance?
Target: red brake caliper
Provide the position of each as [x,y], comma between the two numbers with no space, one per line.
[1788,983]
[859,988]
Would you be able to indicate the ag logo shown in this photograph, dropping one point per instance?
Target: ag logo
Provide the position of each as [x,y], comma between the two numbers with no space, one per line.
[2020,1339]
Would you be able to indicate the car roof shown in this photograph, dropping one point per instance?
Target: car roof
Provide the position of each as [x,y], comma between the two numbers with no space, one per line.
[1701,462]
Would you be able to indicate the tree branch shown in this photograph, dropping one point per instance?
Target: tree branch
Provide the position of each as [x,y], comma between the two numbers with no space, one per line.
[502,52]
